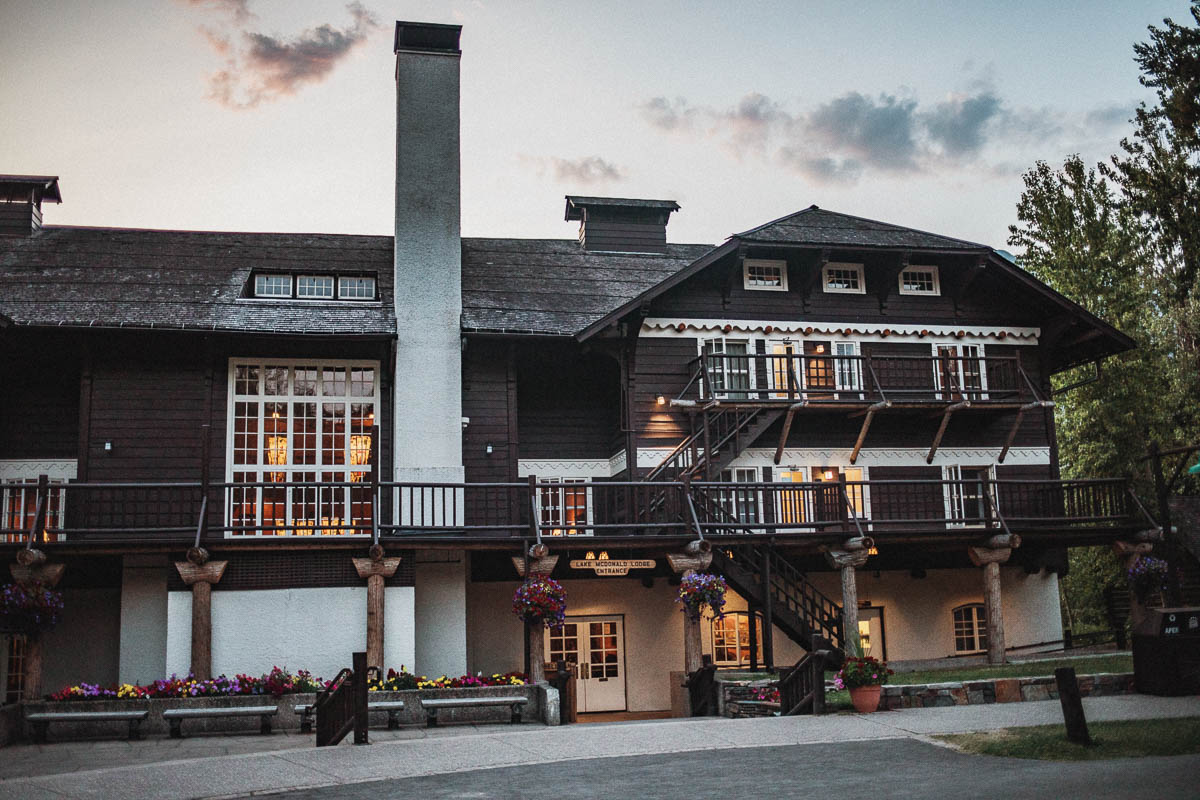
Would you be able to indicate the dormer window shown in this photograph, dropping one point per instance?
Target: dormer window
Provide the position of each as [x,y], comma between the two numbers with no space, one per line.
[356,288]
[314,287]
[762,275]
[272,285]
[920,280]
[839,278]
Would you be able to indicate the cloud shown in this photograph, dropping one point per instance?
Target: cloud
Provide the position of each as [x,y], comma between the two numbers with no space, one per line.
[585,171]
[845,138]
[261,67]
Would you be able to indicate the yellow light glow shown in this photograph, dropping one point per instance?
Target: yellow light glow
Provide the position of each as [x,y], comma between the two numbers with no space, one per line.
[590,555]
[603,555]
[828,474]
[662,401]
[873,551]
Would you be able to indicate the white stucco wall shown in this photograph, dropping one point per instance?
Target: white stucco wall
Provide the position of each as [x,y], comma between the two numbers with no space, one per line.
[313,629]
[143,638]
[86,644]
[441,613]
[653,631]
[918,613]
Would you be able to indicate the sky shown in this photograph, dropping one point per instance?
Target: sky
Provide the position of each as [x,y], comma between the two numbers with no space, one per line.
[279,115]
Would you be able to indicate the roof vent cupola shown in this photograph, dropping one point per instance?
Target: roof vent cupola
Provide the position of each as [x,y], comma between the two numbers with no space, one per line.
[21,199]
[621,225]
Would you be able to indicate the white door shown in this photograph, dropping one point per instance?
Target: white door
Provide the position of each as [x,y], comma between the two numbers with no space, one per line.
[597,646]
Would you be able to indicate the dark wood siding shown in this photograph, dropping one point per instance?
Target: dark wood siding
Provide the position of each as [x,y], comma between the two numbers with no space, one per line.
[906,501]
[624,237]
[19,219]
[663,368]
[486,401]
[567,402]
[39,395]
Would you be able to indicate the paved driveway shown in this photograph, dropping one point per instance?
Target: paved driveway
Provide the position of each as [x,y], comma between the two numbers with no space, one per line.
[893,768]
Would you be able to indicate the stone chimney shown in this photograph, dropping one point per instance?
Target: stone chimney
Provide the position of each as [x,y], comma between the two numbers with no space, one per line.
[21,199]
[428,253]
[621,225]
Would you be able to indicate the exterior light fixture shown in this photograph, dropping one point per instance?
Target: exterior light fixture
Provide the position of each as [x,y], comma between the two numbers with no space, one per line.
[488,448]
[872,551]
[828,475]
[662,401]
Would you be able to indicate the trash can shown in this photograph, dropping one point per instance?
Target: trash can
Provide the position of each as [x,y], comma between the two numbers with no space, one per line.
[1166,652]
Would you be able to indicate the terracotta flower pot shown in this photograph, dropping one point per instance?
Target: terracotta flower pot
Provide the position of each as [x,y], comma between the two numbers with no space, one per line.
[866,698]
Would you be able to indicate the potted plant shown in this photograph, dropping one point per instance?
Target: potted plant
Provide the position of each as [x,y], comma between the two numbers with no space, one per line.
[864,676]
[541,601]
[699,590]
[1147,576]
[30,609]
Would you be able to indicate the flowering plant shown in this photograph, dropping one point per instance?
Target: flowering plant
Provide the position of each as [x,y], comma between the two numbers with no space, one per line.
[468,681]
[862,671]
[277,682]
[1146,576]
[697,591]
[395,681]
[32,609]
[541,600]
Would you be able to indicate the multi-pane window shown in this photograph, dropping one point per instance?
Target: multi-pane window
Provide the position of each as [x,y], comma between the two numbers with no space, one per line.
[314,286]
[792,506]
[970,629]
[14,669]
[564,506]
[919,280]
[731,639]
[959,372]
[967,495]
[18,507]
[300,438]
[272,285]
[741,504]
[843,278]
[356,288]
[728,368]
[763,275]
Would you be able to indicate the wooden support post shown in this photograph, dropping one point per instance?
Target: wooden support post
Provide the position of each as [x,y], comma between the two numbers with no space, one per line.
[941,431]
[693,652]
[753,623]
[201,578]
[847,561]
[991,559]
[768,612]
[537,645]
[47,575]
[787,429]
[358,661]
[376,571]
[1129,553]
[32,684]
[1072,705]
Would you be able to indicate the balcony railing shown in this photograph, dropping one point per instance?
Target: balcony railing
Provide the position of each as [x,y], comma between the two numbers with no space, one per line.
[188,511]
[854,379]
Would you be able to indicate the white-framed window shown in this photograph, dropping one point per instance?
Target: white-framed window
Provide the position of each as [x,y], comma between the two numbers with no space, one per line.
[729,367]
[300,421]
[731,639]
[764,275]
[12,668]
[314,287]
[566,507]
[843,278]
[744,504]
[959,371]
[356,287]
[966,495]
[18,497]
[817,369]
[970,628]
[793,506]
[272,285]
[920,280]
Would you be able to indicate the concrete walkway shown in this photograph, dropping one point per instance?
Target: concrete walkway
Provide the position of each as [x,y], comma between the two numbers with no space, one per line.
[226,766]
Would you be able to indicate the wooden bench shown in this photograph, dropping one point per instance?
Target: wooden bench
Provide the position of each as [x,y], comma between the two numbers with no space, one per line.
[432,706]
[176,716]
[40,722]
[392,707]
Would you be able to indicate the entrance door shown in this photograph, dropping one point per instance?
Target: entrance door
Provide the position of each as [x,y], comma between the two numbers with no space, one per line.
[597,646]
[870,632]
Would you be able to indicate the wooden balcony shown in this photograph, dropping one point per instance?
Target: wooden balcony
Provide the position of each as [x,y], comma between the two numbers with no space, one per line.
[650,514]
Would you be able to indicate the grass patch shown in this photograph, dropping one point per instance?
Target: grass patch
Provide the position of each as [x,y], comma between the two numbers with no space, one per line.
[1128,739]
[1083,666]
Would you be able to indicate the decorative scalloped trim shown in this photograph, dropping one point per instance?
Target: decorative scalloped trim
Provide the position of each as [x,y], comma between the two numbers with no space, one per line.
[20,469]
[656,326]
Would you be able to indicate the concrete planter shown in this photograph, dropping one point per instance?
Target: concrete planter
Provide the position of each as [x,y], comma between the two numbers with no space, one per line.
[542,707]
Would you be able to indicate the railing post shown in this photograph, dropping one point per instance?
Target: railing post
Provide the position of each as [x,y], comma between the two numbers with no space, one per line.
[205,483]
[374,445]
[768,611]
[42,498]
[844,501]
[707,449]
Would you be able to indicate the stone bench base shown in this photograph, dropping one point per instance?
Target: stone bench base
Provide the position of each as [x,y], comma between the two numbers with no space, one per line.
[431,707]
[40,723]
[176,716]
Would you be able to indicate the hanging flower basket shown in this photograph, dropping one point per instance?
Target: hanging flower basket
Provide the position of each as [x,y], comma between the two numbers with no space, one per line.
[541,601]
[29,610]
[697,591]
[1147,576]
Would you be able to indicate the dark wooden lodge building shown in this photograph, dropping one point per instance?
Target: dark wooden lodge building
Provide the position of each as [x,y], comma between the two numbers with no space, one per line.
[856,415]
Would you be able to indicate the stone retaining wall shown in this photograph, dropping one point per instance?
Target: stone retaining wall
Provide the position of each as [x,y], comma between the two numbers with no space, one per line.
[735,697]
[542,707]
[999,690]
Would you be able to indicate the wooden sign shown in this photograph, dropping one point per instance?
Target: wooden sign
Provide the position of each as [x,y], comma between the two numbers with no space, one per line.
[612,566]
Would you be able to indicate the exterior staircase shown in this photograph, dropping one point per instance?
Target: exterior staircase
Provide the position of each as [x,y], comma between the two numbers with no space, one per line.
[798,608]
[730,431]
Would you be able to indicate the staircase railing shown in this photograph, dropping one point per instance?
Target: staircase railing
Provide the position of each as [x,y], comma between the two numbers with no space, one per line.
[719,428]
[790,589]
[802,688]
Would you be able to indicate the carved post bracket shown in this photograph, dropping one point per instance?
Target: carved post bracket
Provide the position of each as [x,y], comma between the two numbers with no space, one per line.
[200,574]
[376,569]
[996,551]
[45,574]
[537,566]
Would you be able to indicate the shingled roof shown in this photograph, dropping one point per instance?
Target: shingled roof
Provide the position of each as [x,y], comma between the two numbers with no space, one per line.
[553,286]
[106,277]
[816,226]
